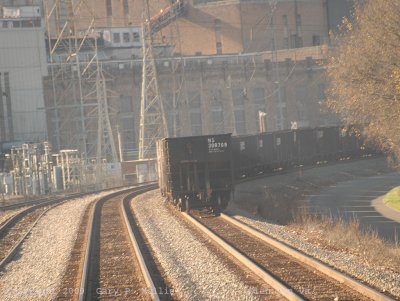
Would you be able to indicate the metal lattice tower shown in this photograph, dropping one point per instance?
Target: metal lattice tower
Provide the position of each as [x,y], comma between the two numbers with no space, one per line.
[81,112]
[105,139]
[153,125]
[66,112]
[180,103]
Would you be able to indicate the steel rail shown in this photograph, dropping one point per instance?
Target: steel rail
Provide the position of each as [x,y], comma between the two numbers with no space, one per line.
[315,264]
[138,253]
[12,252]
[14,218]
[84,282]
[62,196]
[270,279]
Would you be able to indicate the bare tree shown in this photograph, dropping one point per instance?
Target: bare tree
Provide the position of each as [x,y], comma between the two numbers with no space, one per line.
[364,72]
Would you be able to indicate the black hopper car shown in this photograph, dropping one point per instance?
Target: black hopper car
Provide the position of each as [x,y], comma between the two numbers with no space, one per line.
[200,171]
[273,151]
[196,172]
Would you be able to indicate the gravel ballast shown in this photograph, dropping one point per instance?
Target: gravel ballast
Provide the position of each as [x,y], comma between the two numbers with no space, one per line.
[5,215]
[382,279]
[38,267]
[194,271]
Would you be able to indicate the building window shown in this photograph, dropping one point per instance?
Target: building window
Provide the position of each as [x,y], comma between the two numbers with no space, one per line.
[285,20]
[285,43]
[217,23]
[136,37]
[298,20]
[218,42]
[27,23]
[126,37]
[258,96]
[299,42]
[293,41]
[316,40]
[195,119]
[218,120]
[240,122]
[194,99]
[128,133]
[116,37]
[109,8]
[239,96]
[219,47]
[216,98]
[126,7]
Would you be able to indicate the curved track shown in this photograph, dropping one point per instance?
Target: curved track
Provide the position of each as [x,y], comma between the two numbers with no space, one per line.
[24,203]
[15,229]
[295,275]
[113,266]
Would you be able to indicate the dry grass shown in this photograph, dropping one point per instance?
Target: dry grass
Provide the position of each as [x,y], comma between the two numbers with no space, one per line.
[346,236]
[392,198]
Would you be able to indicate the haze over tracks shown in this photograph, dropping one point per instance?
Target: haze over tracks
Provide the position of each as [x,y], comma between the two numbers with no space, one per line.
[37,269]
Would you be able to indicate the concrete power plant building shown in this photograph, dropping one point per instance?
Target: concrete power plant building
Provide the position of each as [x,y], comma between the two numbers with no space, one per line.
[23,65]
[219,64]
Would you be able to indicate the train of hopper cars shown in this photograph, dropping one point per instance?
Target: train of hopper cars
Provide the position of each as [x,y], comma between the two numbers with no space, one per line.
[200,171]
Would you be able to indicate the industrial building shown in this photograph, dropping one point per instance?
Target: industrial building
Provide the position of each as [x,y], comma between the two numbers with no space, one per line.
[80,73]
[23,64]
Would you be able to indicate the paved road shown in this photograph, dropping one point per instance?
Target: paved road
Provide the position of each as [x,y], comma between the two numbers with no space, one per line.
[360,198]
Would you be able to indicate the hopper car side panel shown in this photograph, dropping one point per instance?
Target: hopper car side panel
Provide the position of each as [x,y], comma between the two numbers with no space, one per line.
[196,171]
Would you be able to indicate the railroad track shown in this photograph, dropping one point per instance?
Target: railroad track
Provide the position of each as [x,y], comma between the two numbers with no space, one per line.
[17,227]
[294,275]
[26,203]
[116,263]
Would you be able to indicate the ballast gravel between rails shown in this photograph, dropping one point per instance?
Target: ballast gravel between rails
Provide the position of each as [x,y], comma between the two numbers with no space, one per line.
[40,201]
[61,197]
[323,268]
[89,246]
[26,211]
[10,254]
[276,284]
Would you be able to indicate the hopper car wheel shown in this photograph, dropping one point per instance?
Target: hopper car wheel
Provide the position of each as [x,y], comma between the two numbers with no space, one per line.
[187,207]
[180,205]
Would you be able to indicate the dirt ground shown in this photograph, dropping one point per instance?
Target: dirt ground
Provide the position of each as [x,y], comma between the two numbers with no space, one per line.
[278,197]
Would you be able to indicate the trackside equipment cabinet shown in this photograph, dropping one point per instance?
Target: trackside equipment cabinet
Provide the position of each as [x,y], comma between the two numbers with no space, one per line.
[196,172]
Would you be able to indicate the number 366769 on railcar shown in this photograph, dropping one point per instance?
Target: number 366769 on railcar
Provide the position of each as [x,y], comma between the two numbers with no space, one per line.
[196,172]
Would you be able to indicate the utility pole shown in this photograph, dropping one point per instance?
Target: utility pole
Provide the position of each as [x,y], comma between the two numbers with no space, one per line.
[297,24]
[153,124]
[280,104]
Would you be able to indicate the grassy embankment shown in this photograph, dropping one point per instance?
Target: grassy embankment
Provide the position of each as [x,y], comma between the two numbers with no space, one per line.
[392,198]
[348,237]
